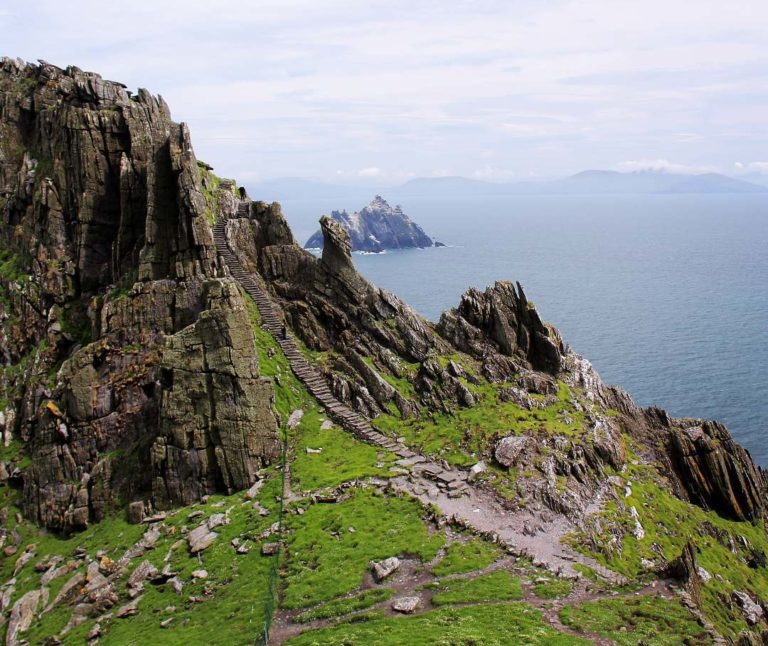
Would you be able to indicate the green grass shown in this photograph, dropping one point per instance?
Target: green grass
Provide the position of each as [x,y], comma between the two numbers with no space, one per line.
[669,523]
[646,620]
[496,625]
[325,560]
[340,607]
[552,588]
[461,557]
[456,437]
[343,457]
[496,586]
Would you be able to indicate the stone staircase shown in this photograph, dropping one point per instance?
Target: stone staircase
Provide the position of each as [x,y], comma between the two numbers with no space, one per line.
[306,373]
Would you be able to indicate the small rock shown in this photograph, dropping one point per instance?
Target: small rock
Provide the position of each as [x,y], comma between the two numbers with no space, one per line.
[311,451]
[94,633]
[254,490]
[705,576]
[270,549]
[128,610]
[166,622]
[750,610]
[200,574]
[382,569]
[406,605]
[145,570]
[195,514]
[176,585]
[136,512]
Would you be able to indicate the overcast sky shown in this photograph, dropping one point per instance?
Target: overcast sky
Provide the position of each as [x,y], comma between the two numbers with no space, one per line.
[384,91]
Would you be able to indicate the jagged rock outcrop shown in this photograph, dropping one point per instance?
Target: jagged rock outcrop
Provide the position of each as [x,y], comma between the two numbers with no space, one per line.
[717,473]
[501,319]
[105,223]
[376,228]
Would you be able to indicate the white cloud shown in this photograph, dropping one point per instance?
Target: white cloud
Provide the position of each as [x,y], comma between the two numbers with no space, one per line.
[371,171]
[758,167]
[666,166]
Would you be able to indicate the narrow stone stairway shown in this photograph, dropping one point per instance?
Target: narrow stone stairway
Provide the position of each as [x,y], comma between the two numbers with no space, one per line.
[306,373]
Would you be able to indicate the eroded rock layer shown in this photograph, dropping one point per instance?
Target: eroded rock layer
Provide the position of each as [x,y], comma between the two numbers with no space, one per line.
[111,290]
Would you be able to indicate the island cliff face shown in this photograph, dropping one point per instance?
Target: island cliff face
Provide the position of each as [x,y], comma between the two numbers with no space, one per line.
[132,375]
[376,228]
[133,378]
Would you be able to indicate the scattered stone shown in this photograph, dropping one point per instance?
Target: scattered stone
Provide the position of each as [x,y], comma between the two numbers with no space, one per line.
[25,558]
[477,469]
[200,539]
[254,490]
[243,549]
[176,585]
[326,425]
[637,531]
[751,611]
[382,569]
[145,570]
[95,632]
[195,514]
[406,605]
[705,576]
[69,590]
[508,449]
[200,574]
[295,418]
[314,451]
[22,614]
[166,622]
[156,518]
[128,610]
[136,512]
[270,549]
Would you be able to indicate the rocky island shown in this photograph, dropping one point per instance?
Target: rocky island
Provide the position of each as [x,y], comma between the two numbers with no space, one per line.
[210,435]
[376,228]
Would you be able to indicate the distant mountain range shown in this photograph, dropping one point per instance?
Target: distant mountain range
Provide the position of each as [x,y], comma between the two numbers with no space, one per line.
[588,182]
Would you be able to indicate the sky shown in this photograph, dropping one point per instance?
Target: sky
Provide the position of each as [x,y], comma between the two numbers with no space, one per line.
[343,91]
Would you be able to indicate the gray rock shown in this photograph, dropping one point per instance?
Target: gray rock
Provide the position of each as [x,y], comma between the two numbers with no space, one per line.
[382,569]
[751,611]
[145,570]
[406,605]
[22,614]
[508,449]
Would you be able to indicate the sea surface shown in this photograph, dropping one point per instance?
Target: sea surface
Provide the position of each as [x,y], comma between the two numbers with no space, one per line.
[667,295]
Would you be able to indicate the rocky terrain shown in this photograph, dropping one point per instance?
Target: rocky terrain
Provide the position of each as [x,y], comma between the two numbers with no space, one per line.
[376,228]
[213,435]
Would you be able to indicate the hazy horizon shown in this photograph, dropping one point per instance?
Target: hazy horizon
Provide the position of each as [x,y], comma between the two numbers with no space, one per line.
[383,92]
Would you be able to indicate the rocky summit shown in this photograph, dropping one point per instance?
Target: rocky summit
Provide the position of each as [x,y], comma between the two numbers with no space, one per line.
[376,228]
[211,435]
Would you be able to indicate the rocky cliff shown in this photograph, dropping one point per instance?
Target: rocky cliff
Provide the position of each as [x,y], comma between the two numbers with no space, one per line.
[121,334]
[376,228]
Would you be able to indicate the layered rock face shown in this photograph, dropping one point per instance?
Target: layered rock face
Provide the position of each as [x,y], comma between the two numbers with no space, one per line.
[377,227]
[111,290]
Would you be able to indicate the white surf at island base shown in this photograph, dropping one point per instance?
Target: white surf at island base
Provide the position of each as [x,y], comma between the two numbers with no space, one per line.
[667,295]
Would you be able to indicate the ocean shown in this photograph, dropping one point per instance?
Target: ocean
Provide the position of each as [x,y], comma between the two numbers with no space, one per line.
[667,295]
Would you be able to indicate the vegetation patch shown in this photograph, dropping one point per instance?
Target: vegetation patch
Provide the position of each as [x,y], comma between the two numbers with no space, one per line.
[552,588]
[497,625]
[637,621]
[340,607]
[467,556]
[330,545]
[496,586]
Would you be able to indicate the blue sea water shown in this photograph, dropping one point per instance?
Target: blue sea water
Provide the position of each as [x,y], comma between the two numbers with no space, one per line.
[667,295]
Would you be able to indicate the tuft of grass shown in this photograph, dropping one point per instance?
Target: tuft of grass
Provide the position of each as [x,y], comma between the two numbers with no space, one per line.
[637,621]
[343,457]
[552,588]
[496,586]
[496,625]
[461,557]
[326,560]
[347,605]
